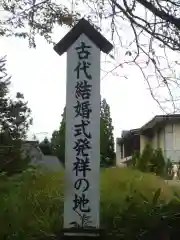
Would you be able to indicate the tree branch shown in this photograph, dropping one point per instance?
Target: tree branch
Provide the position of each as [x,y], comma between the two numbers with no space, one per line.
[160,13]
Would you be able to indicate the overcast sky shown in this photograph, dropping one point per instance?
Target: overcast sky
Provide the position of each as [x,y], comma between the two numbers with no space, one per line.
[40,74]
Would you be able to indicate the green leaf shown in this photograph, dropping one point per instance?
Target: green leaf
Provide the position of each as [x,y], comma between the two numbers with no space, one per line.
[156,196]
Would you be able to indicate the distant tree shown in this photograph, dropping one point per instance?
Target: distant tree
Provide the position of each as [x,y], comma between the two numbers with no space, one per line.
[106,137]
[18,117]
[15,116]
[58,140]
[4,90]
[46,147]
[15,119]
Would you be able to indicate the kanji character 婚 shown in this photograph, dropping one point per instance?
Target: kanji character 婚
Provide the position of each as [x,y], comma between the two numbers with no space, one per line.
[83,109]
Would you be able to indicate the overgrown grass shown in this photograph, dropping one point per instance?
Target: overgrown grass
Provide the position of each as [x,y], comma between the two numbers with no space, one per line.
[31,204]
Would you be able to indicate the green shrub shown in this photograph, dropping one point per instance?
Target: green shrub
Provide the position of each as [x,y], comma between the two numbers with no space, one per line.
[31,208]
[150,161]
[158,162]
[31,203]
[168,170]
[144,162]
[129,204]
[11,158]
[135,158]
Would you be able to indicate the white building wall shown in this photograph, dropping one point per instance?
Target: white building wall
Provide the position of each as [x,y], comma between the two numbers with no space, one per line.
[168,139]
[154,142]
[119,160]
[118,153]
[176,128]
[143,141]
[172,142]
[161,139]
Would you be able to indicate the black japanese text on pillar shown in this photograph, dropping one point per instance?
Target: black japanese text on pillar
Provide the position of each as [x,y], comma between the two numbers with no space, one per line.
[82,154]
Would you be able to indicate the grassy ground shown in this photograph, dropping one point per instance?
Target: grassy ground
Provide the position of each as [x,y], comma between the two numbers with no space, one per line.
[31,204]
